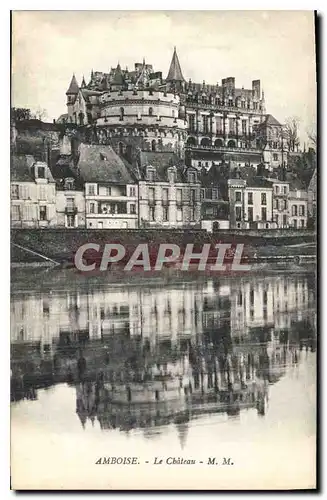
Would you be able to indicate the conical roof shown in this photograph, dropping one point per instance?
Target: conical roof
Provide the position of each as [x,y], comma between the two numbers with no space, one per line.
[73,87]
[175,72]
[118,77]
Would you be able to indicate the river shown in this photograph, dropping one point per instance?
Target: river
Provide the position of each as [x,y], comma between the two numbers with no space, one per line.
[181,370]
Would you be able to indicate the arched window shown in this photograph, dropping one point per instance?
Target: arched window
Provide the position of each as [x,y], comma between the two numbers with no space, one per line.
[121,114]
[191,141]
[150,111]
[153,145]
[205,141]
[231,144]
[219,143]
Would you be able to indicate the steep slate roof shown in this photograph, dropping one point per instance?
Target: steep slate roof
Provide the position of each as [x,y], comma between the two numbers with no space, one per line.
[258,182]
[73,87]
[175,72]
[271,120]
[161,161]
[20,168]
[101,164]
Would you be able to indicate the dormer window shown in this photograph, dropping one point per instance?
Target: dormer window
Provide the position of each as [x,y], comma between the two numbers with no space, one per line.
[69,184]
[191,177]
[41,172]
[150,174]
[172,175]
[103,157]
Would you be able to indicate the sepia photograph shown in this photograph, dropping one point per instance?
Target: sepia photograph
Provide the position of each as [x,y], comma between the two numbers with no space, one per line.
[163,250]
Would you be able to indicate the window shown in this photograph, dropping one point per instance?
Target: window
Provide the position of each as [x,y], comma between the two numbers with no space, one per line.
[70,221]
[276,204]
[191,122]
[153,145]
[302,222]
[179,195]
[108,191]
[215,194]
[91,190]
[263,199]
[191,177]
[232,125]
[285,204]
[276,217]
[69,184]
[70,203]
[150,111]
[301,210]
[132,191]
[164,195]
[250,214]
[250,198]
[92,208]
[205,124]
[171,175]
[132,208]
[151,194]
[244,127]
[193,195]
[255,105]
[42,193]
[43,212]
[275,157]
[14,192]
[238,196]
[199,164]
[15,212]
[284,220]
[41,173]
[121,114]
[238,213]
[192,214]
[285,189]
[165,214]
[263,214]
[24,192]
[252,297]
[202,194]
[151,213]
[277,189]
[179,215]
[294,210]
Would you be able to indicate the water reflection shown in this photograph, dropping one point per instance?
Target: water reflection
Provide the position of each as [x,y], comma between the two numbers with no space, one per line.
[144,357]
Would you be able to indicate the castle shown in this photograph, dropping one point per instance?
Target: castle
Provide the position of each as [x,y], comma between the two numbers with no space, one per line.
[204,124]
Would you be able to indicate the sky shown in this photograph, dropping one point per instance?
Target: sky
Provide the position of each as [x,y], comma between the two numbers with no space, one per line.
[277,47]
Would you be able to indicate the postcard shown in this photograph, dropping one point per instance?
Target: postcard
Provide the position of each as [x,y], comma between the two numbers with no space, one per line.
[163,217]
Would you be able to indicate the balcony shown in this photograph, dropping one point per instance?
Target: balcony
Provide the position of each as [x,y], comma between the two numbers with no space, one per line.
[222,149]
[222,108]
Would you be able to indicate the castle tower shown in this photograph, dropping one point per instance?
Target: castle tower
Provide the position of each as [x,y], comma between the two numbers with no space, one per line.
[71,94]
[175,72]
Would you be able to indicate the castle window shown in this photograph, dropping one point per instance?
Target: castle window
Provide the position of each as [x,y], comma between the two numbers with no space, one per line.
[121,114]
[191,177]
[150,111]
[171,175]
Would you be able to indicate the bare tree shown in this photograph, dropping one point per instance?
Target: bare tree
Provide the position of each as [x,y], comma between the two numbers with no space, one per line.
[312,136]
[291,134]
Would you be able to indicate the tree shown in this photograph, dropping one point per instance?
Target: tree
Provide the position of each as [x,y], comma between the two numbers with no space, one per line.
[312,136]
[19,114]
[291,134]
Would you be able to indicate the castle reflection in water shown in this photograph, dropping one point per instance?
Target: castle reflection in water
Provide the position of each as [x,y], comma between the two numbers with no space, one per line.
[144,356]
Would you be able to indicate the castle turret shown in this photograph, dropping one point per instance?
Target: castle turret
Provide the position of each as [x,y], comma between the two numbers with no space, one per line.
[175,72]
[72,90]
